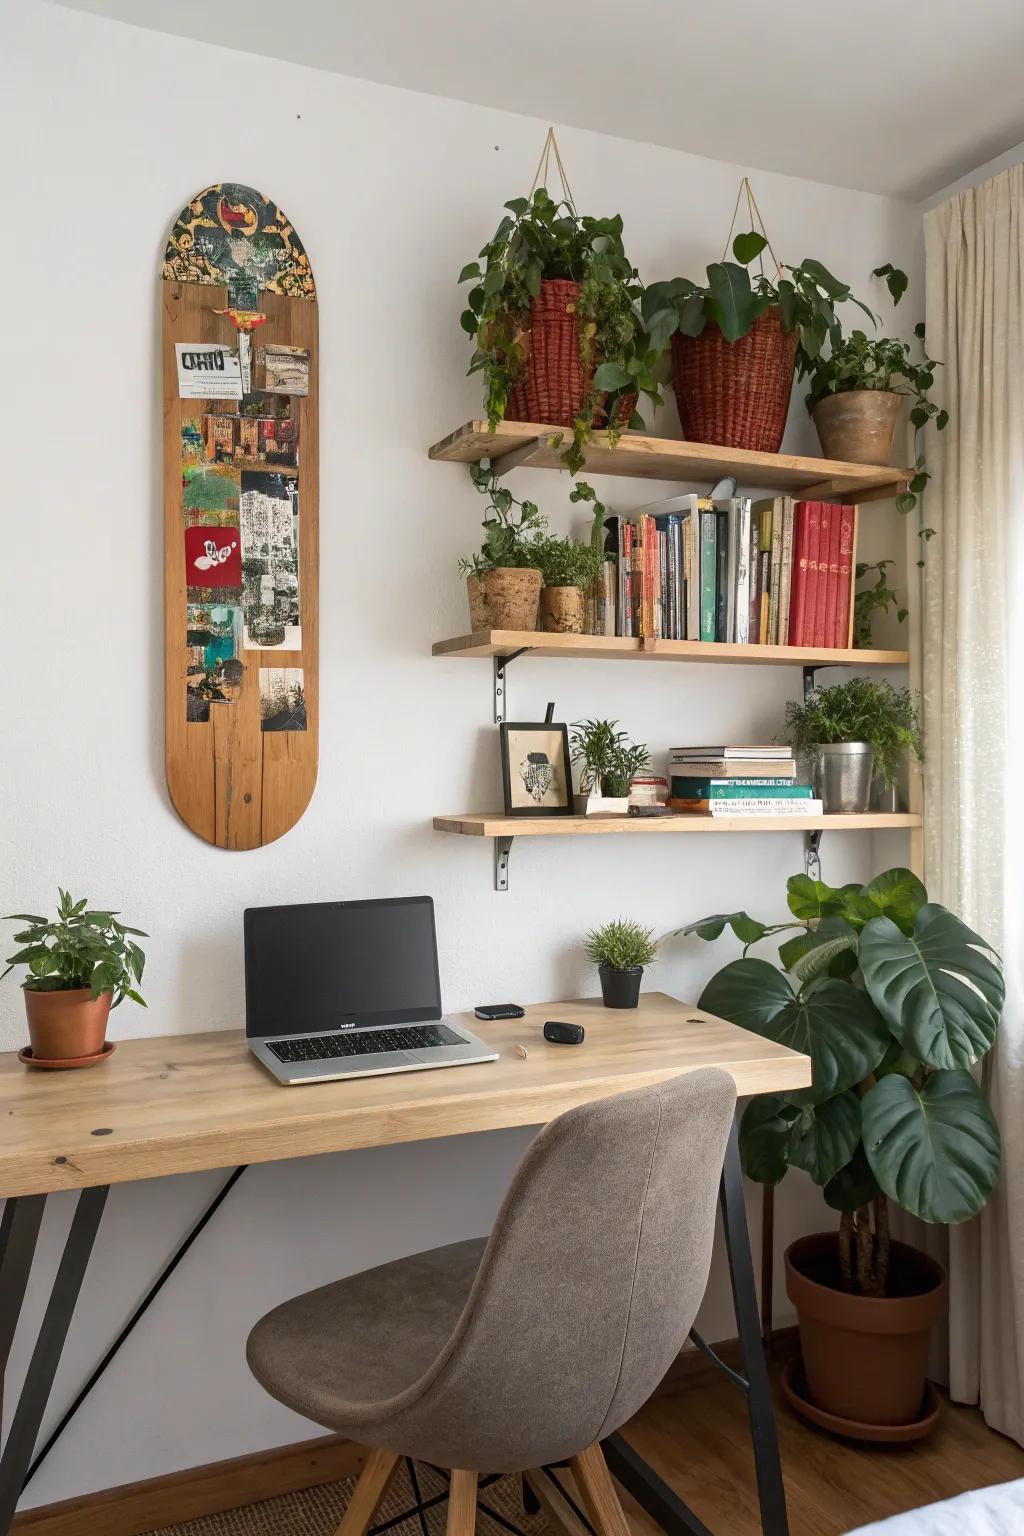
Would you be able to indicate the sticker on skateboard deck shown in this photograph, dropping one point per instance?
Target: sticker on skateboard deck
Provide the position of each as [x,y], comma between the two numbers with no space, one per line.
[241,518]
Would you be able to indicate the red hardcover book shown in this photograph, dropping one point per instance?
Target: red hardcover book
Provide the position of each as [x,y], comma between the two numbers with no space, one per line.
[832,582]
[822,613]
[809,562]
[845,581]
[798,580]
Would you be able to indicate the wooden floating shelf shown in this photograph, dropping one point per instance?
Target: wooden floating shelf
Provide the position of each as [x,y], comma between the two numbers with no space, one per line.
[504,642]
[479,824]
[534,446]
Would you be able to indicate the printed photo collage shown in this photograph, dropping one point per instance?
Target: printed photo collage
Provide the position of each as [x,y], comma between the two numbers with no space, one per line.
[240,498]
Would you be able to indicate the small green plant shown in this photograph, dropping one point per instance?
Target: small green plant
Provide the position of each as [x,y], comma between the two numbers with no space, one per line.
[582,491]
[540,238]
[508,540]
[860,710]
[81,948]
[880,597]
[609,759]
[895,1000]
[566,562]
[621,945]
[806,298]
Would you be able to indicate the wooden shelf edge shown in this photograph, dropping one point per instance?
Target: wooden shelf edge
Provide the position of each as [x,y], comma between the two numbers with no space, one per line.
[482,824]
[667,458]
[502,642]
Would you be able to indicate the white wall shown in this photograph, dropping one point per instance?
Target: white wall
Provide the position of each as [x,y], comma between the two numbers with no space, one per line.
[983,172]
[113,129]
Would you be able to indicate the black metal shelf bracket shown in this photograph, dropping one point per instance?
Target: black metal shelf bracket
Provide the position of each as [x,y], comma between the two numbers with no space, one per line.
[502,849]
[812,855]
[501,664]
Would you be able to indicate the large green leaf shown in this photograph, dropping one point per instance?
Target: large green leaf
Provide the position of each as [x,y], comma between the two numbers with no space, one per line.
[935,1151]
[732,298]
[898,894]
[813,953]
[831,1021]
[942,996]
[825,1137]
[809,899]
[764,1137]
[853,1186]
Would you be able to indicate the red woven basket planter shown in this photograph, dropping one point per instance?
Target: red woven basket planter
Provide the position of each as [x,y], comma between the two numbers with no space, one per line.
[552,387]
[735,393]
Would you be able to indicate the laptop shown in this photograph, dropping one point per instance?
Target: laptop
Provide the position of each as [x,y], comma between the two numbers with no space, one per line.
[349,989]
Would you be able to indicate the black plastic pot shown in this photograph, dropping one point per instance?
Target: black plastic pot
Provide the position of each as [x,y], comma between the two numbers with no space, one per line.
[620,989]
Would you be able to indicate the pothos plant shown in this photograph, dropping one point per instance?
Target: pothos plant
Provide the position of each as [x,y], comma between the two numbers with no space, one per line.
[80,948]
[878,598]
[895,1000]
[540,238]
[511,527]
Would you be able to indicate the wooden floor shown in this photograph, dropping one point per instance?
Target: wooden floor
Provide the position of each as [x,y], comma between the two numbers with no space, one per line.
[694,1432]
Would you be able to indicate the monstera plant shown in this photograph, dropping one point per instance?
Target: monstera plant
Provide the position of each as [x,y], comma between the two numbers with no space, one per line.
[895,1000]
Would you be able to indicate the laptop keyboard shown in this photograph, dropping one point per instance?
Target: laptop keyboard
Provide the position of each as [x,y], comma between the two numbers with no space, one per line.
[364,1042]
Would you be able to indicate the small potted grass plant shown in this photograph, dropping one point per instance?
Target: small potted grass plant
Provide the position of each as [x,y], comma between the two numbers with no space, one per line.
[569,569]
[847,735]
[80,965]
[503,578]
[608,760]
[620,950]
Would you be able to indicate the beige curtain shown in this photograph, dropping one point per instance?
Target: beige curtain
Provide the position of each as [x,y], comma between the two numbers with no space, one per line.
[972,682]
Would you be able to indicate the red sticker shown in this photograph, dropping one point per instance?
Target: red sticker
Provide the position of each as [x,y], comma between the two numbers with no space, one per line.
[213,557]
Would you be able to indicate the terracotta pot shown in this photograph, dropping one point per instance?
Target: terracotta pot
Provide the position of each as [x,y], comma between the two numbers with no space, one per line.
[858,426]
[735,393]
[865,1357]
[561,610]
[64,1025]
[505,598]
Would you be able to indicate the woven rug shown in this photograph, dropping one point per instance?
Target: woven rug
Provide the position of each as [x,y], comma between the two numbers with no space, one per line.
[318,1511]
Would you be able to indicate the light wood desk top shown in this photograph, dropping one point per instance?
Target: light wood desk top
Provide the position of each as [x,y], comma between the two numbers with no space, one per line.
[182,1103]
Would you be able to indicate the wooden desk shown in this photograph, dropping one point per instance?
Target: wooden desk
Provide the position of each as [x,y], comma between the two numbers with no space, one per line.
[182,1103]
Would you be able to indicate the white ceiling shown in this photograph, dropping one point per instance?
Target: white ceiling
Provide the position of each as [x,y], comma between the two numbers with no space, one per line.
[881,95]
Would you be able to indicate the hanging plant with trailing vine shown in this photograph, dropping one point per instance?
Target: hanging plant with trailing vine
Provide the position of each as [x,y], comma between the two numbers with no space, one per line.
[542,238]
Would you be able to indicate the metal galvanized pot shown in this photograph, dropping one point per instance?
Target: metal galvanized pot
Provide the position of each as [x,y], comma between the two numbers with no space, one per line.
[842,776]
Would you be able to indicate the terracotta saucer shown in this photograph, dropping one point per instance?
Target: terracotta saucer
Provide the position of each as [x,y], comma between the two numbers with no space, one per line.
[66,1062]
[794,1389]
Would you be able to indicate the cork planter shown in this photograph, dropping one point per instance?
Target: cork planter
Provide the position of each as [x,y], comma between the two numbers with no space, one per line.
[505,598]
[66,1026]
[865,1357]
[858,426]
[561,610]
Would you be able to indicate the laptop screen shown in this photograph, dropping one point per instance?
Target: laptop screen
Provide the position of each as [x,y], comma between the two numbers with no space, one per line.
[331,964]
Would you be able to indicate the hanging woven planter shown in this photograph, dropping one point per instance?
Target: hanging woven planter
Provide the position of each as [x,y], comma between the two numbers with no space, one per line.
[735,393]
[552,388]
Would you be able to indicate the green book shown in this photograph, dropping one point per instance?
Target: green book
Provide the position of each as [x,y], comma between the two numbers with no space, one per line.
[684,788]
[708,574]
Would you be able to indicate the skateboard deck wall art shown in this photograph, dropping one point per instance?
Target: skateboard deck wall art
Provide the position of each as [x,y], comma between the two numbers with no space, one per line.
[241,518]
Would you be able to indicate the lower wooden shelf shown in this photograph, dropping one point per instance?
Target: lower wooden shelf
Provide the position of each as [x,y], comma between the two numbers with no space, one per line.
[480,824]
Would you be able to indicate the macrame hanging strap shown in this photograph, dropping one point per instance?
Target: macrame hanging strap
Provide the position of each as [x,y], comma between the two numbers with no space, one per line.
[754,213]
[543,167]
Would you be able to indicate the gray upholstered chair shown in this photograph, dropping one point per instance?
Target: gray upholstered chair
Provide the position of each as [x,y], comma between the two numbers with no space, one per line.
[509,1353]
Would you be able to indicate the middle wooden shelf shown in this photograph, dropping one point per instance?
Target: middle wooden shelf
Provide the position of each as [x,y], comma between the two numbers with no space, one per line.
[507,642]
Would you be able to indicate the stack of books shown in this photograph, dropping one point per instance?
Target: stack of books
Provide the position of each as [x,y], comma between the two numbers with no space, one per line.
[738,781]
[774,572]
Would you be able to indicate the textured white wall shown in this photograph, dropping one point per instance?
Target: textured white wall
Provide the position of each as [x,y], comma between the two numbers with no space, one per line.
[113,129]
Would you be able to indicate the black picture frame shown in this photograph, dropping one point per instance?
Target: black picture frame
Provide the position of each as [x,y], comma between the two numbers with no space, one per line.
[558,742]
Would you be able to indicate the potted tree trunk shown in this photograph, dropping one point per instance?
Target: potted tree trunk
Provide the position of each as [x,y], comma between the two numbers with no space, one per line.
[555,317]
[851,736]
[79,967]
[620,950]
[895,1000]
[503,580]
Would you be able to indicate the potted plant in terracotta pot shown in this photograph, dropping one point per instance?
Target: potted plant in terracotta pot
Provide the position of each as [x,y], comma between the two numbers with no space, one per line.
[850,735]
[569,569]
[737,338]
[554,313]
[621,950]
[608,762]
[896,1001]
[503,579]
[79,965]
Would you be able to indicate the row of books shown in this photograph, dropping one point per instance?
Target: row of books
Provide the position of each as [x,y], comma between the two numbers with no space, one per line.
[738,781]
[774,572]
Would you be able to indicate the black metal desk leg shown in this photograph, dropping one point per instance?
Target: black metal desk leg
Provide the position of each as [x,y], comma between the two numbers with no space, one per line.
[770,1492]
[18,1237]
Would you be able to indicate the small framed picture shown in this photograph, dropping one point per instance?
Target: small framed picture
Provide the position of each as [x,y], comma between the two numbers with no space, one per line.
[536,775]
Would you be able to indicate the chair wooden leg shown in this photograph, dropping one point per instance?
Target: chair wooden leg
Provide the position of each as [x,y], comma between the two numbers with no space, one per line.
[462,1504]
[560,1514]
[374,1482]
[597,1491]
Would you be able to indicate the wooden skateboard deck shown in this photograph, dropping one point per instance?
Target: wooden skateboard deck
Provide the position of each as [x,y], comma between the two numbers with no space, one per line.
[241,518]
